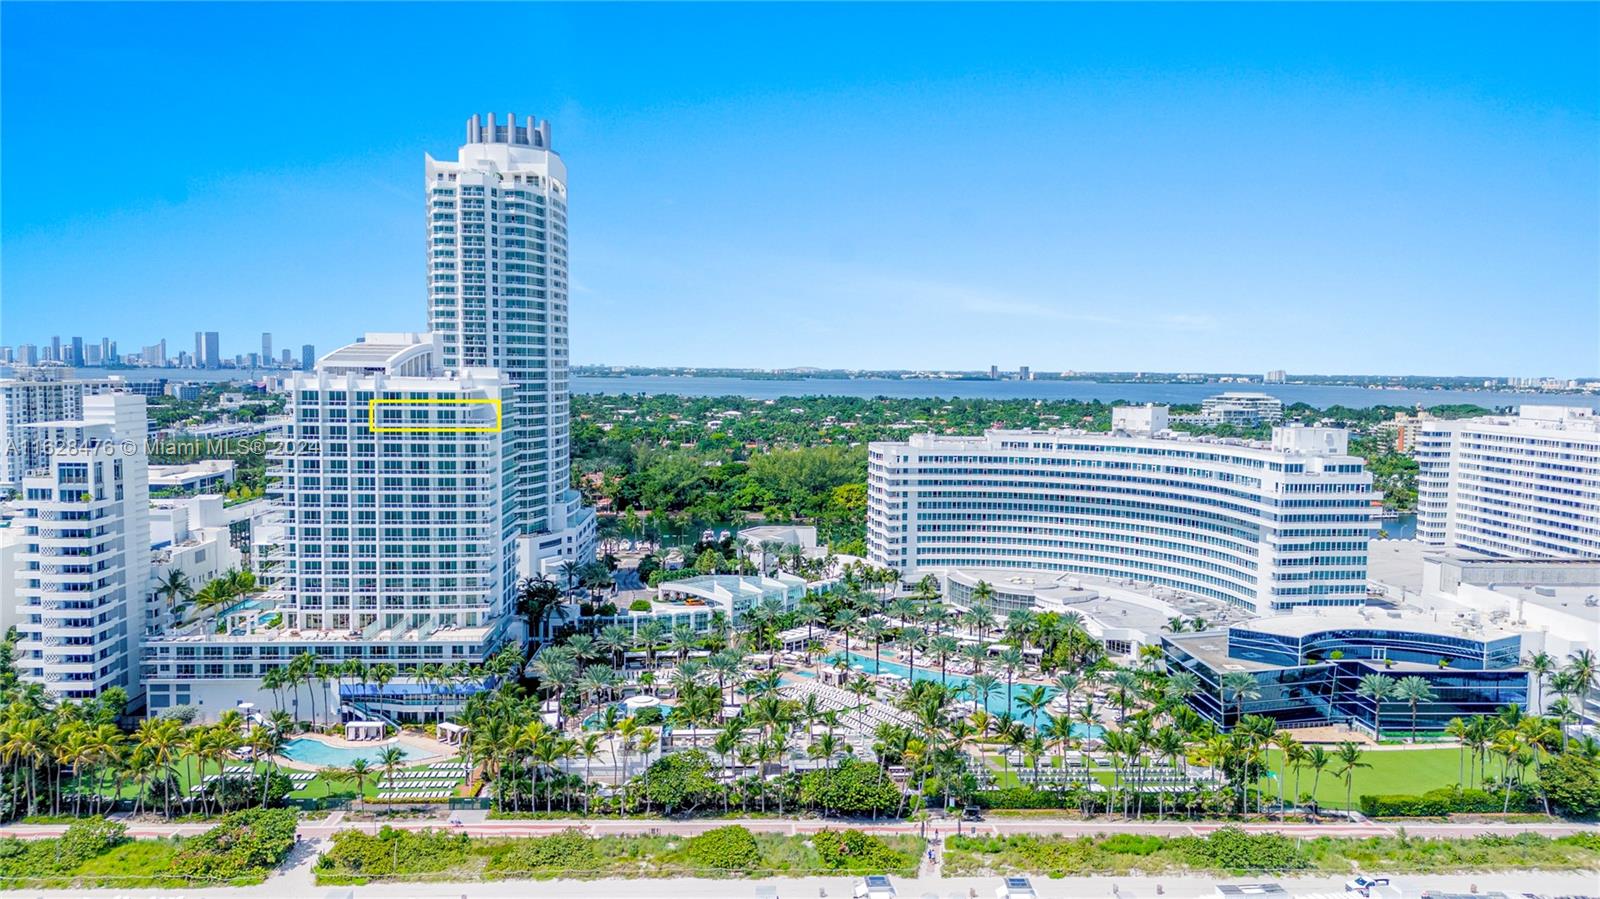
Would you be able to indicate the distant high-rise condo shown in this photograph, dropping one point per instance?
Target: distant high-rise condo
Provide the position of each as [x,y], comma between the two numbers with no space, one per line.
[1523,486]
[266,347]
[77,351]
[308,357]
[1024,373]
[497,297]
[1276,376]
[32,397]
[55,349]
[27,354]
[207,351]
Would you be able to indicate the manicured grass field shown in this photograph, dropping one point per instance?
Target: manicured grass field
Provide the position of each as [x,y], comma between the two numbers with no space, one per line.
[191,771]
[1392,771]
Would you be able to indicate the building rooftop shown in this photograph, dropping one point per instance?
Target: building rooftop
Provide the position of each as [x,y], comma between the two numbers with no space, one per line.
[1119,603]
[392,353]
[1305,624]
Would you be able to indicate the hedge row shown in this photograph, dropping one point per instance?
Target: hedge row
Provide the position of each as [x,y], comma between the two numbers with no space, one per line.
[1447,801]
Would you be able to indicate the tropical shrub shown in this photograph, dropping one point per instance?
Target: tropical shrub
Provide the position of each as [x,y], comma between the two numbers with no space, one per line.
[357,856]
[724,849]
[84,840]
[1573,785]
[569,850]
[640,605]
[857,852]
[243,845]
[853,787]
[681,781]
[1232,849]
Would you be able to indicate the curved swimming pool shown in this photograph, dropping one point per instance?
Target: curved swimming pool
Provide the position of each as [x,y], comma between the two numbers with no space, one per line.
[316,752]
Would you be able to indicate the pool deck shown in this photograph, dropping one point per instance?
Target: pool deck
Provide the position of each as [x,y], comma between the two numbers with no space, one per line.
[422,749]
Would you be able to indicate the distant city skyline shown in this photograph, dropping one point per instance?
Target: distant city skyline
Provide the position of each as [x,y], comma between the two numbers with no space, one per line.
[1086,188]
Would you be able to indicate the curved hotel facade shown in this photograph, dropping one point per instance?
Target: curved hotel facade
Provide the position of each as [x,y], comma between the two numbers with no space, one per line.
[1267,527]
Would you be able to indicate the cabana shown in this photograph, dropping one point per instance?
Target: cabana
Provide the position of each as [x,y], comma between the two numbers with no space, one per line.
[357,731]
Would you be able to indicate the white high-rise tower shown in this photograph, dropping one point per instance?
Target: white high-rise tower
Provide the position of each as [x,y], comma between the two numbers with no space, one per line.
[497,297]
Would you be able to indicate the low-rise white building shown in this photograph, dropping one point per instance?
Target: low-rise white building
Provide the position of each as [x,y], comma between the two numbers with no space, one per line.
[200,476]
[1123,615]
[1237,408]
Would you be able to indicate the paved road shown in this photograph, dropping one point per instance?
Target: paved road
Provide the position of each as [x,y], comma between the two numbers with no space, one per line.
[319,829]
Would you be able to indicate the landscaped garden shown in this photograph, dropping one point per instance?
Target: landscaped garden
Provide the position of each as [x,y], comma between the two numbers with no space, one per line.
[358,857]
[1231,851]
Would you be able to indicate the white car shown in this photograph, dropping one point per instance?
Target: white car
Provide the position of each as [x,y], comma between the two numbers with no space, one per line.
[1364,885]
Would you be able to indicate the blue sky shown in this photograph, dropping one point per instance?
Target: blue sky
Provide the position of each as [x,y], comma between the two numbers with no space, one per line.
[1358,188]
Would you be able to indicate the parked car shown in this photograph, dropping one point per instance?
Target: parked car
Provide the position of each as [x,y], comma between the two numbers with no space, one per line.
[1364,885]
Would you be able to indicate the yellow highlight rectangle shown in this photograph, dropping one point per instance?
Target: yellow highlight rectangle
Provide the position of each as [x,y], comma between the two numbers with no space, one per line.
[372,417]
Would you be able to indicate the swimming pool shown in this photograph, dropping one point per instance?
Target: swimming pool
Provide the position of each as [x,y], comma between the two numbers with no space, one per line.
[316,752]
[995,704]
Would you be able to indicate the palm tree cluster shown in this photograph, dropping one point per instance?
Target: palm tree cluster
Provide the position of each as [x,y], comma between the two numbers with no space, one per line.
[174,587]
[1518,741]
[71,757]
[326,677]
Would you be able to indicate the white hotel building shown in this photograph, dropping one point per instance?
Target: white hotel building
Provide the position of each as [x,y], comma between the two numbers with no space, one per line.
[393,544]
[497,297]
[1267,527]
[1523,486]
[82,560]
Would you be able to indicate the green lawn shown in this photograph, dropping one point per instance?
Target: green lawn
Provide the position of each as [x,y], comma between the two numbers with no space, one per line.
[190,772]
[1396,771]
[1393,771]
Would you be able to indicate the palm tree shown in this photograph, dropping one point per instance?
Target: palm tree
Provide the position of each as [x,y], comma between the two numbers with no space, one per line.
[1456,728]
[845,621]
[943,648]
[981,687]
[173,586]
[391,759]
[1413,690]
[1541,665]
[1378,688]
[616,639]
[1126,683]
[329,774]
[1033,700]
[1349,755]
[589,747]
[1289,747]
[982,598]
[1583,671]
[1012,660]
[1239,687]
[1317,759]
[359,771]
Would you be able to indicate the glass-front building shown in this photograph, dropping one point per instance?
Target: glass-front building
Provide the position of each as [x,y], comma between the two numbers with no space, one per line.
[1308,671]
